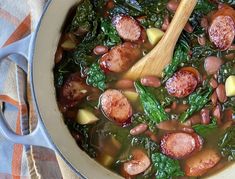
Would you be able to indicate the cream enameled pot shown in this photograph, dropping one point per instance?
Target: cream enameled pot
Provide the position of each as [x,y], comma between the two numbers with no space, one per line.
[51,128]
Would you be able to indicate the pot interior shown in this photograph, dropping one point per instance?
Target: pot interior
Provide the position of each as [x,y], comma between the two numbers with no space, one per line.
[44,93]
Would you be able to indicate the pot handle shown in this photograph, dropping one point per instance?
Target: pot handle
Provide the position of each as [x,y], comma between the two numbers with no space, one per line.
[37,138]
[21,54]
[21,48]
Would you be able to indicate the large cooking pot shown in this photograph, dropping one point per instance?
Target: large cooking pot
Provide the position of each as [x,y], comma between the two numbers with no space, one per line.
[51,127]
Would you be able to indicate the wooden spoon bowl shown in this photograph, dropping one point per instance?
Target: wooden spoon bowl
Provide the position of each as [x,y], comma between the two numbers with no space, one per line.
[161,55]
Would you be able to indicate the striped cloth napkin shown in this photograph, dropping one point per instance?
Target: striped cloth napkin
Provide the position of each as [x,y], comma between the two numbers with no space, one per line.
[18,18]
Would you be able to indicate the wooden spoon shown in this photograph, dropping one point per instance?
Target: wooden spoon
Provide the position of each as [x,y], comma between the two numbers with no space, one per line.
[161,55]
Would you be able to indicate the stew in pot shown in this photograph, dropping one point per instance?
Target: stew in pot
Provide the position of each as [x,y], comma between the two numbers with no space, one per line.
[178,126]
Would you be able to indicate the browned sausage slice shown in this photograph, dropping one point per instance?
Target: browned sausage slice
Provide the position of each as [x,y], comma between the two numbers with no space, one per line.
[127,27]
[139,163]
[178,145]
[120,58]
[181,84]
[200,163]
[116,106]
[73,90]
[222,31]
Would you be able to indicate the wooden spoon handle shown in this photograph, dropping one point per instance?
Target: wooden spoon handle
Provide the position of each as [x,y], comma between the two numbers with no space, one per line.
[178,22]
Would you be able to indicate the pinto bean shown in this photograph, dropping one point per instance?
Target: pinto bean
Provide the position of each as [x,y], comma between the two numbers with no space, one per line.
[214,98]
[100,50]
[204,22]
[199,164]
[212,64]
[222,32]
[138,164]
[195,119]
[116,106]
[127,27]
[213,83]
[152,81]
[151,135]
[205,114]
[181,84]
[73,91]
[217,113]
[172,5]
[201,40]
[188,28]
[166,23]
[124,84]
[178,145]
[220,91]
[139,129]
[120,58]
[231,56]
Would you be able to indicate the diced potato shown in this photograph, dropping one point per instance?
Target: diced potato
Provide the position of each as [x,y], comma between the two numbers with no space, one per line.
[68,45]
[105,159]
[230,86]
[131,96]
[85,117]
[154,35]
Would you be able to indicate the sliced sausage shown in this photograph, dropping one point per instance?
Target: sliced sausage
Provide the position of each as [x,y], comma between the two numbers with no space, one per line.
[222,32]
[178,145]
[181,84]
[138,164]
[73,91]
[127,27]
[212,64]
[200,163]
[116,106]
[120,58]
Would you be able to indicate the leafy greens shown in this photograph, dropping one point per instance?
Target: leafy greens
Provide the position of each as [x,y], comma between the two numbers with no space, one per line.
[227,144]
[166,167]
[96,77]
[152,107]
[197,101]
[204,130]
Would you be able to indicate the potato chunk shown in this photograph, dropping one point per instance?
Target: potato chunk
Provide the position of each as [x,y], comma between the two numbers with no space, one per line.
[154,35]
[230,86]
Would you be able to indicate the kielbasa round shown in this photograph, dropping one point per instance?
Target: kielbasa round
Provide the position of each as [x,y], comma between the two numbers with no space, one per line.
[179,145]
[127,27]
[120,58]
[200,163]
[116,106]
[73,90]
[181,84]
[222,32]
[138,164]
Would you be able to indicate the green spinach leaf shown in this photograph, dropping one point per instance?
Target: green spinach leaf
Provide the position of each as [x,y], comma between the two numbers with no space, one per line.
[84,17]
[166,167]
[204,130]
[226,70]
[197,101]
[227,144]
[110,34]
[96,77]
[152,107]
